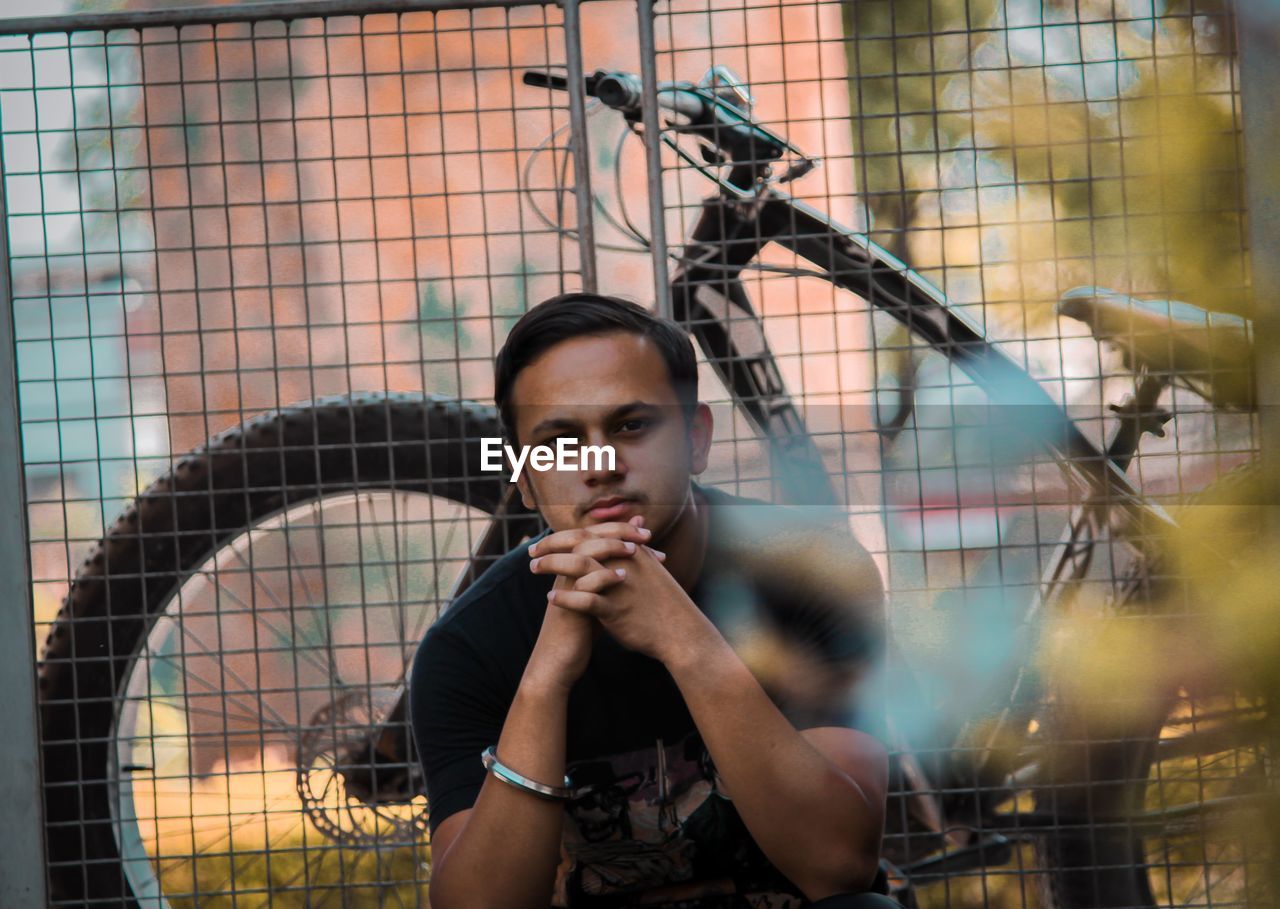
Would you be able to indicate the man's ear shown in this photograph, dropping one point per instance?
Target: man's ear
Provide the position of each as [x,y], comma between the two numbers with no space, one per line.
[526,490]
[700,429]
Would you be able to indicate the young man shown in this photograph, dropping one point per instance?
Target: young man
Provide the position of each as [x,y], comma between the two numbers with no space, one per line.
[636,758]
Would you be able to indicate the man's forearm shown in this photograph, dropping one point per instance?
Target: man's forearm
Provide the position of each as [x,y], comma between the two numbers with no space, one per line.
[813,822]
[507,852]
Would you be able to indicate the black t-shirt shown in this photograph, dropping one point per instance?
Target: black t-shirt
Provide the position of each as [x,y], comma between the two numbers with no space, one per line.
[798,601]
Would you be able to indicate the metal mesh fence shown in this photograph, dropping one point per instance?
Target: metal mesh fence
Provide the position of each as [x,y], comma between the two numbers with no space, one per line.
[210,223]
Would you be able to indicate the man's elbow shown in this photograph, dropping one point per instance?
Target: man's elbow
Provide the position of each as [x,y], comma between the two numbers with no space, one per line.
[842,871]
[480,892]
[862,870]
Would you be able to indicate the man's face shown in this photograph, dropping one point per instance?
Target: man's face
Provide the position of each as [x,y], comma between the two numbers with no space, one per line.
[609,390]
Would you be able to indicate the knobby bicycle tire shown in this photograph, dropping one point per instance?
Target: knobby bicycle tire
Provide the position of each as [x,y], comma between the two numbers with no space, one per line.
[1099,855]
[239,478]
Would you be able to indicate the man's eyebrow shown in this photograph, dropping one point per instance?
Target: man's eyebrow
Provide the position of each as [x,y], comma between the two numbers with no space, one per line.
[555,423]
[561,423]
[628,408]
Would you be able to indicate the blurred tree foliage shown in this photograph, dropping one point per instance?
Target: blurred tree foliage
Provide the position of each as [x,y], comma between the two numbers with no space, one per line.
[1028,147]
[901,54]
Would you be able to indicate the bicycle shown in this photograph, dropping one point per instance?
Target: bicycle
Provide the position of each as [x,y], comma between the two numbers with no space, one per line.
[295,694]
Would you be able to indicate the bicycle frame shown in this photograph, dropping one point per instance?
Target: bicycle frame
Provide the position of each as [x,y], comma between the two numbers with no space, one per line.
[710,300]
[708,297]
[730,233]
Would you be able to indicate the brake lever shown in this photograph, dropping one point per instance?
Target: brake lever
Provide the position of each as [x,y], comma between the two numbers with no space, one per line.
[540,79]
[556,82]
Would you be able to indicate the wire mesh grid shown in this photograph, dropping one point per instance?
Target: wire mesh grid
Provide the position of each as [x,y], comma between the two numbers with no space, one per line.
[209,224]
[1008,153]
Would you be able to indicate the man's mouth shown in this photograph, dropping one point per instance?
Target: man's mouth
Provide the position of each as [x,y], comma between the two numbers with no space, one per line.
[610,509]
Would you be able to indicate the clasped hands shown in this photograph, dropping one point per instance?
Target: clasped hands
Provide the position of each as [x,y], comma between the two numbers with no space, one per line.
[608,573]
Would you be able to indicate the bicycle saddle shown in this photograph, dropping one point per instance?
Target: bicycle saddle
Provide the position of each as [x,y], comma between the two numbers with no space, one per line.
[1211,351]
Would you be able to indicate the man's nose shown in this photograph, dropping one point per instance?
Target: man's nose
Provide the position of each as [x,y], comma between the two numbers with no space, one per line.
[596,467]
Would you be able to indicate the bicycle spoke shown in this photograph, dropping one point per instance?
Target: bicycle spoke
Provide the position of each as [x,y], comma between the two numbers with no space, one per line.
[283,639]
[235,676]
[261,854]
[198,711]
[392,594]
[453,526]
[181,663]
[293,559]
[321,619]
[402,562]
[228,833]
[237,696]
[309,597]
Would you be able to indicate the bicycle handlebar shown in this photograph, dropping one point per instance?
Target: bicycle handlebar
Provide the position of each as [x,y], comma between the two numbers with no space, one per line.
[703,114]
[861,266]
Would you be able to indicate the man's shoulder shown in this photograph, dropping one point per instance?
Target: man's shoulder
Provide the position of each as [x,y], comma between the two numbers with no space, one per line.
[717,497]
[505,585]
[754,528]
[804,553]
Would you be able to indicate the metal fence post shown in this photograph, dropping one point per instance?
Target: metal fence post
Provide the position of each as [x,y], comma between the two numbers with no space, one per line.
[653,156]
[1258,30]
[581,148]
[22,881]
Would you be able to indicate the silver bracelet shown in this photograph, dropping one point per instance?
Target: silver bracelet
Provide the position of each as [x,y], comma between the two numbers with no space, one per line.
[489,757]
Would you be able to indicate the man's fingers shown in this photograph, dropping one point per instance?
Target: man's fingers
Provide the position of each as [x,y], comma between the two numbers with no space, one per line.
[602,548]
[565,563]
[600,580]
[567,540]
[564,541]
[577,601]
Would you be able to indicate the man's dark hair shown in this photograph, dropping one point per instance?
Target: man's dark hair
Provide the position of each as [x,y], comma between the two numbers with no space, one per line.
[576,315]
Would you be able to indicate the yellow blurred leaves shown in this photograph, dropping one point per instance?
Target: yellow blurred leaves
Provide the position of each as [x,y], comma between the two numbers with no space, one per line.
[1124,158]
[1206,619]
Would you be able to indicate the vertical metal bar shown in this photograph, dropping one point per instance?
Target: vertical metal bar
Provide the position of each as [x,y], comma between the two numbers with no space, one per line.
[581,148]
[22,880]
[1258,32]
[653,156]
[1259,35]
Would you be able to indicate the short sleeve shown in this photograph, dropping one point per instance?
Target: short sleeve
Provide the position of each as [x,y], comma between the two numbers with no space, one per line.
[836,610]
[836,641]
[456,713]
[803,604]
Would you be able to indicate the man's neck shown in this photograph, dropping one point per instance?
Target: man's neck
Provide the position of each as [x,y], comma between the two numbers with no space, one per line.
[686,542]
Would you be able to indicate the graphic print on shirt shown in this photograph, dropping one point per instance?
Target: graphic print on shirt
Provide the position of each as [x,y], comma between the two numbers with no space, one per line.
[653,826]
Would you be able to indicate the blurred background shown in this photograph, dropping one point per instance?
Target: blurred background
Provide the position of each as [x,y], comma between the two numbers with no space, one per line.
[207,223]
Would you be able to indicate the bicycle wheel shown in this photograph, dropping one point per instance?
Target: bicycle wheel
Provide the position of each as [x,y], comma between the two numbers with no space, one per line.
[209,689]
[1165,814]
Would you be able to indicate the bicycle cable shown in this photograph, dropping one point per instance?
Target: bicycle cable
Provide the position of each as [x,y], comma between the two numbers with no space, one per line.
[628,228]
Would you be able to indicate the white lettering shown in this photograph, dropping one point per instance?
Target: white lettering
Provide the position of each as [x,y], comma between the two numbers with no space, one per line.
[566,455]
[544,458]
[602,453]
[517,463]
[491,454]
[566,450]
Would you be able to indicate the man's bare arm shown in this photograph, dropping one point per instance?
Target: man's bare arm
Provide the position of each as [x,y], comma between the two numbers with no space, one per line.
[504,850]
[814,806]
[813,801]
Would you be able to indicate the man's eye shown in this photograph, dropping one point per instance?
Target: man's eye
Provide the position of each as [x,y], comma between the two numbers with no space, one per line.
[635,425]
